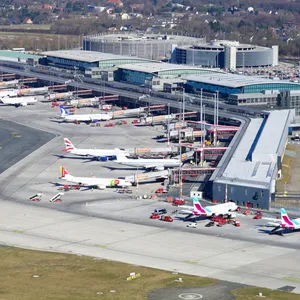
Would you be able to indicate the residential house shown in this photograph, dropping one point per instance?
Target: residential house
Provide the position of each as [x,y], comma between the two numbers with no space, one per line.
[27,21]
[115,3]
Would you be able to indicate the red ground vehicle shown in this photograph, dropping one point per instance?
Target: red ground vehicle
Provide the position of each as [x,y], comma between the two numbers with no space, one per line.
[109,125]
[247,212]
[124,122]
[135,121]
[258,215]
[167,218]
[160,191]
[219,219]
[154,216]
[237,223]
[178,201]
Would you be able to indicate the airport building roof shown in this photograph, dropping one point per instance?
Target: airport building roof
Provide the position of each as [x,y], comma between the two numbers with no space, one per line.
[254,161]
[89,56]
[233,80]
[157,67]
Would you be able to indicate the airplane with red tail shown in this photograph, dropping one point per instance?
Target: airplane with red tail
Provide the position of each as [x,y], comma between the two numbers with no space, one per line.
[100,183]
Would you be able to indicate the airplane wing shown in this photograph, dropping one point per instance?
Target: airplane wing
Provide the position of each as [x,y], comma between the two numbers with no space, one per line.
[155,166]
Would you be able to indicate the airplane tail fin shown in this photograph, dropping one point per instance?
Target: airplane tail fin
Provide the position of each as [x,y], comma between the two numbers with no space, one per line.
[285,220]
[64,172]
[197,206]
[63,111]
[69,145]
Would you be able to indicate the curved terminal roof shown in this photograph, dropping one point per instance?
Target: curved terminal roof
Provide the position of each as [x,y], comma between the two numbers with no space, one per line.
[157,67]
[234,80]
[90,56]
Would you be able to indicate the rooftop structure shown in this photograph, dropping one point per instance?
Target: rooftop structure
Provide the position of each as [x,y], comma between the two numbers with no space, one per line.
[251,172]
[88,59]
[227,83]
[161,68]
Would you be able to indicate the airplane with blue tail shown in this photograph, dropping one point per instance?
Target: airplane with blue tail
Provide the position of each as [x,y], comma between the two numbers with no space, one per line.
[84,118]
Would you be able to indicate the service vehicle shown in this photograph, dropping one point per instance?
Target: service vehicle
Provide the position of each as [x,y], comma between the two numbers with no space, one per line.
[211,223]
[155,216]
[160,211]
[178,201]
[109,125]
[160,191]
[167,218]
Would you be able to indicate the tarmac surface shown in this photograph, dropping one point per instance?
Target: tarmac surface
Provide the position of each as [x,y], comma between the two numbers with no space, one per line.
[220,291]
[17,141]
[106,224]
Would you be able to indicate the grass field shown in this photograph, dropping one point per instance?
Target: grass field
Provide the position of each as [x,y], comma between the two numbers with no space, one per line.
[286,171]
[251,293]
[26,27]
[72,277]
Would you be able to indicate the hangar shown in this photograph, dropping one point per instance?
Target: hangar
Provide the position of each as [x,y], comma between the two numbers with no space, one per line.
[248,177]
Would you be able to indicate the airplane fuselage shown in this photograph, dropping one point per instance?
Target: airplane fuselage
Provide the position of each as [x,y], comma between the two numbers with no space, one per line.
[150,163]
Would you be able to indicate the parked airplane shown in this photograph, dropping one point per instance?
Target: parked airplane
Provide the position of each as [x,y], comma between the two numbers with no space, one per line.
[146,163]
[86,118]
[18,101]
[101,154]
[286,223]
[9,93]
[208,211]
[100,183]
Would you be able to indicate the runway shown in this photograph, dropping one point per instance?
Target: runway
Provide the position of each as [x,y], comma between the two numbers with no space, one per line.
[123,232]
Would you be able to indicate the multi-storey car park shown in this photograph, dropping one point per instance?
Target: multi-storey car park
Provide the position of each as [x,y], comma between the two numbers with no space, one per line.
[150,46]
[225,54]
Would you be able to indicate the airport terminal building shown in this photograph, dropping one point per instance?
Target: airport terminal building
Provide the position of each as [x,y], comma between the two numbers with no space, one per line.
[225,54]
[155,75]
[228,84]
[89,62]
[248,176]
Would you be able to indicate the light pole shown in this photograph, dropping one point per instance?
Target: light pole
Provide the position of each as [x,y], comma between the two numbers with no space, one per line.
[168,124]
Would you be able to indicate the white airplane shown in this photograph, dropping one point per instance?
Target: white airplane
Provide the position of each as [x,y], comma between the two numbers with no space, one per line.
[19,101]
[101,154]
[208,211]
[100,183]
[9,93]
[87,118]
[286,222]
[146,163]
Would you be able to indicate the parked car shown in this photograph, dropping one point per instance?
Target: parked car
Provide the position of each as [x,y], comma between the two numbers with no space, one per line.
[135,121]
